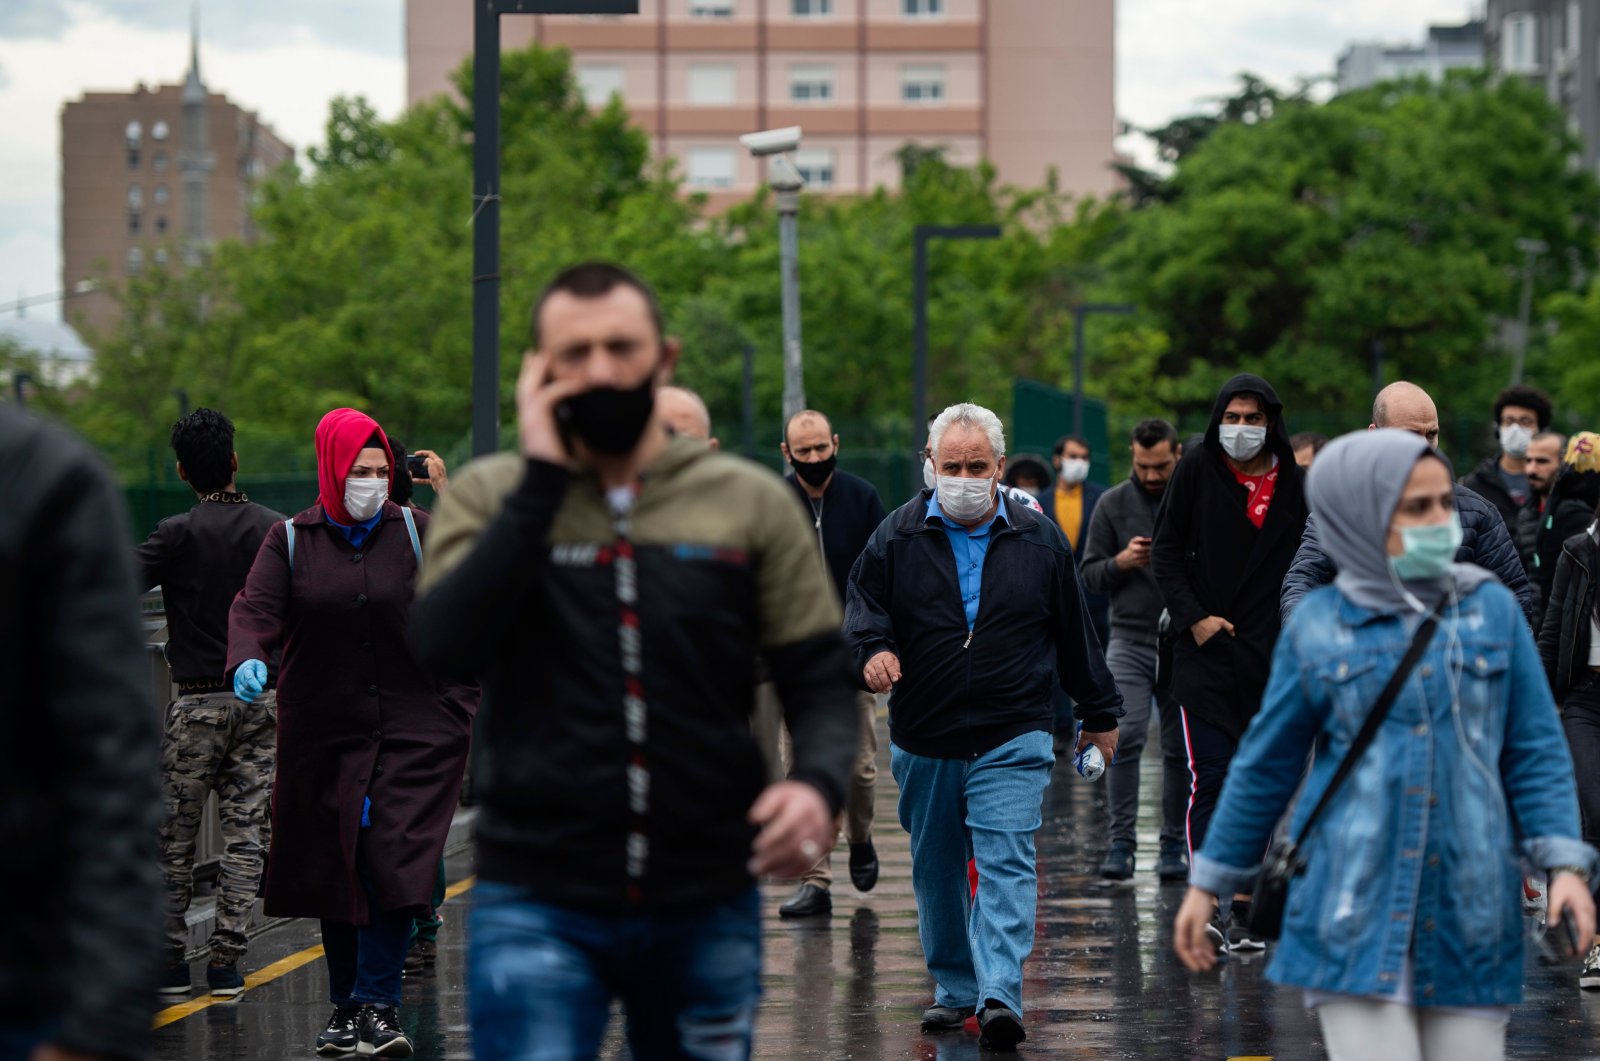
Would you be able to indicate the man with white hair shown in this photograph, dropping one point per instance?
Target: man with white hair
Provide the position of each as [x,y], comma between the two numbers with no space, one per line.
[967,610]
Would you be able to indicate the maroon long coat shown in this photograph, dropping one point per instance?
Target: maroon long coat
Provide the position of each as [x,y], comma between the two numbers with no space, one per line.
[356,718]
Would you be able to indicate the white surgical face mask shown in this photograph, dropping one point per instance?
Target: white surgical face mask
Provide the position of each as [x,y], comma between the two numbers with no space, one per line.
[1242,443]
[965,499]
[1514,439]
[929,477]
[1074,470]
[363,497]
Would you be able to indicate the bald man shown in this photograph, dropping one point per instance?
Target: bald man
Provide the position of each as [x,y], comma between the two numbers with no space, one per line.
[684,413]
[1485,540]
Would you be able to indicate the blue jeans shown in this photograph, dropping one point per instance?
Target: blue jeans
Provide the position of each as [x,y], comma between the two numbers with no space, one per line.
[366,963]
[541,977]
[986,809]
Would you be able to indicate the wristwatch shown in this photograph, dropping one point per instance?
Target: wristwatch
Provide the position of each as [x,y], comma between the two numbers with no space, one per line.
[1577,871]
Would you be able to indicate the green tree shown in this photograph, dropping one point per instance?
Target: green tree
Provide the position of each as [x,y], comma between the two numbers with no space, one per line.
[1293,243]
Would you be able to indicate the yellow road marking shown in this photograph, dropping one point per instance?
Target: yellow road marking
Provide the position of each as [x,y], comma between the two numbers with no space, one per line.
[278,969]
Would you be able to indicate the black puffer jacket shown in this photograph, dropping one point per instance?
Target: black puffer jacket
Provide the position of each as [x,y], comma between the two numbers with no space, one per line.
[1564,635]
[1485,481]
[1484,542]
[1210,559]
[1570,509]
[79,805]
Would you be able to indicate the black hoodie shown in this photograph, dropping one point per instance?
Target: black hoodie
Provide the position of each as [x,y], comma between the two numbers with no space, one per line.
[1209,559]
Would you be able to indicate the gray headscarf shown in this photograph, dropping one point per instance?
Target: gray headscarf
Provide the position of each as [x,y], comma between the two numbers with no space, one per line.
[1354,488]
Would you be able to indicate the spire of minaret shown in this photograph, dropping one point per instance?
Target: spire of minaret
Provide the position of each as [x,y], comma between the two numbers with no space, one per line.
[193,88]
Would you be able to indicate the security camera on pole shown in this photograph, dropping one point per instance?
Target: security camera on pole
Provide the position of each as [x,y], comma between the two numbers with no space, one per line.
[787,183]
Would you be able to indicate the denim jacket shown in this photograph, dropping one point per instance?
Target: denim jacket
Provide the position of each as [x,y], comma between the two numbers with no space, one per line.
[1417,851]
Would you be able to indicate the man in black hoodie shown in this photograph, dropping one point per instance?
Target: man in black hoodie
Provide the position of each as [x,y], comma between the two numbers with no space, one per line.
[1226,534]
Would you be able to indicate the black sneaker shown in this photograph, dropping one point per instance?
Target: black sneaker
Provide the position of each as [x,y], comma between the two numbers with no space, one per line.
[945,1018]
[1240,938]
[224,980]
[1217,931]
[999,1028]
[175,979]
[1589,978]
[808,900]
[381,1034]
[421,957]
[343,1033]
[1119,862]
[1172,867]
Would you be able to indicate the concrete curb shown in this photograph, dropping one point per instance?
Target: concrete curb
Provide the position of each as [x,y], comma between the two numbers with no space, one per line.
[202,915]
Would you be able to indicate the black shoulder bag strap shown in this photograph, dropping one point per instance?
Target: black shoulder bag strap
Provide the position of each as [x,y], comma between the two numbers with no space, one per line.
[1284,861]
[1369,728]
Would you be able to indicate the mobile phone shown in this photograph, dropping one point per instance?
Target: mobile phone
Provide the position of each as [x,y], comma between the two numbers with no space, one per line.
[1566,936]
[1143,540]
[417,467]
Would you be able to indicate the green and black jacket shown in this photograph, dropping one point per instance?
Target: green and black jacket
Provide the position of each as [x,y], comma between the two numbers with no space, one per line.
[617,656]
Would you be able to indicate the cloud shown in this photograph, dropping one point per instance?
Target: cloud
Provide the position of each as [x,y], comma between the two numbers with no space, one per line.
[370,26]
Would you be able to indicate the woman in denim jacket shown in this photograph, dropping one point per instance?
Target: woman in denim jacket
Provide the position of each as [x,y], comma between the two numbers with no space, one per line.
[1406,929]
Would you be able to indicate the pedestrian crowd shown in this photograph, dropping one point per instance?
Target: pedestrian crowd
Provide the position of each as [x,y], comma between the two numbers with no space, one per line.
[1375,691]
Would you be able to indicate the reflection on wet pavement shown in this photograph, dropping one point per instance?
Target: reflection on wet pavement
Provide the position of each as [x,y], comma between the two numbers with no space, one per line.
[1102,982]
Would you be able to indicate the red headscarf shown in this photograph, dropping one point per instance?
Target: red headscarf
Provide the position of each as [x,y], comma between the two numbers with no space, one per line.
[341,437]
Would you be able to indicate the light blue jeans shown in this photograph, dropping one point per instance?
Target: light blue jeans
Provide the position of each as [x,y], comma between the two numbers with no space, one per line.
[986,809]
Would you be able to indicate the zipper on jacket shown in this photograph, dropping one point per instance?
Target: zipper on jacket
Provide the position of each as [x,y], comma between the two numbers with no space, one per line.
[968,641]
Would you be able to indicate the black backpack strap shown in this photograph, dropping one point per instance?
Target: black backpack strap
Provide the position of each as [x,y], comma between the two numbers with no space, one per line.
[1375,717]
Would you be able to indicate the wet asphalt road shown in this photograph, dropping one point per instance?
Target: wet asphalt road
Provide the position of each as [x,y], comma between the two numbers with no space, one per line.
[1102,982]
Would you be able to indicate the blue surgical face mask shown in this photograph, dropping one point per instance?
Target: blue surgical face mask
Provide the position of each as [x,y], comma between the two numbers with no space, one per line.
[1429,550]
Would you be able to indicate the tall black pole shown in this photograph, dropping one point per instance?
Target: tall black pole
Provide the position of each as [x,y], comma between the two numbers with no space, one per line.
[919,355]
[1077,369]
[486,228]
[1377,367]
[750,400]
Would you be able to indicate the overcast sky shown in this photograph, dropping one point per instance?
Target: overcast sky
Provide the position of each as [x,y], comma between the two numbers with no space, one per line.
[287,59]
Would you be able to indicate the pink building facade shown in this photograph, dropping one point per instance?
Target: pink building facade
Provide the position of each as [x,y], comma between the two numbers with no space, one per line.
[1025,83]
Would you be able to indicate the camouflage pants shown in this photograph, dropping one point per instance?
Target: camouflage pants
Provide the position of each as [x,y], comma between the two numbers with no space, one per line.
[213,742]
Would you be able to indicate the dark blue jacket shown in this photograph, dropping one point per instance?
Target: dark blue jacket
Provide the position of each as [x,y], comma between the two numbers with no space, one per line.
[963,694]
[1484,541]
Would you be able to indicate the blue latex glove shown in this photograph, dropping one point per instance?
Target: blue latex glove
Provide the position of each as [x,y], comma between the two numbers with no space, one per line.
[366,812]
[249,680]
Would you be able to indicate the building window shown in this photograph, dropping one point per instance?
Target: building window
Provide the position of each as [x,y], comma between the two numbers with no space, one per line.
[710,8]
[811,8]
[160,256]
[135,260]
[1519,43]
[158,131]
[711,167]
[711,84]
[922,8]
[160,196]
[811,83]
[161,224]
[923,83]
[815,165]
[135,197]
[599,82]
[134,135]
[133,221]
[158,161]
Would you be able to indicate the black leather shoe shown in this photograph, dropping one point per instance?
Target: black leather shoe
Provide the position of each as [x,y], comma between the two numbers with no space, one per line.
[1172,868]
[808,900]
[863,866]
[999,1028]
[1118,864]
[945,1018]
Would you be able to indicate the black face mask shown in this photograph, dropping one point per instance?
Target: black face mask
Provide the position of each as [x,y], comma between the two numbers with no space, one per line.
[610,421]
[815,473]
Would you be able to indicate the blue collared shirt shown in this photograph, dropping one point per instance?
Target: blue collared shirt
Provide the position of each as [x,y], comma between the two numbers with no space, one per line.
[356,533]
[970,548]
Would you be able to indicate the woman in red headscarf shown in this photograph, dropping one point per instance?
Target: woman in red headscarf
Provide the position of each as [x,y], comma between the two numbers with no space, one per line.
[370,748]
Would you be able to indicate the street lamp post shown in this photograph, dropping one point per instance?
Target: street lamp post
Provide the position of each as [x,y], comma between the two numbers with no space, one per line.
[82,287]
[787,183]
[486,196]
[1531,248]
[1078,314]
[919,301]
